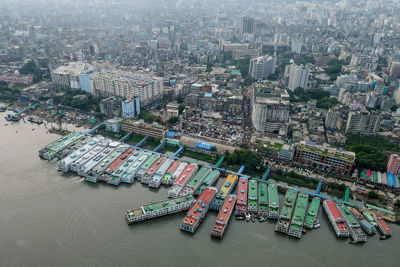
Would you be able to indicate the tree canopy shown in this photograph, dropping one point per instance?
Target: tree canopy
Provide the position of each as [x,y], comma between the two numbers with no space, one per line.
[246,157]
[31,68]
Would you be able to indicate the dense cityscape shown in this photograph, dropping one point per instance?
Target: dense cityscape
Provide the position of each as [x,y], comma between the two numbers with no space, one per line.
[279,111]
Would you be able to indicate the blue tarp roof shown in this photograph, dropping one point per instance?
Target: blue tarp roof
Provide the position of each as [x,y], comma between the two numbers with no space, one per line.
[208,95]
[170,134]
[204,145]
[391,179]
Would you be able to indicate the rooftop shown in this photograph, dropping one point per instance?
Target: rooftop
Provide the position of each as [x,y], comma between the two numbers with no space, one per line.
[167,203]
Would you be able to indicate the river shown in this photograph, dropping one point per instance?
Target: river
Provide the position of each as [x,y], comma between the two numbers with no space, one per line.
[52,219]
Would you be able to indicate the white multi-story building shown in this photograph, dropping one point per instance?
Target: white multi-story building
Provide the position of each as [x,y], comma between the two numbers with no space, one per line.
[365,61]
[347,81]
[332,120]
[261,67]
[397,95]
[146,86]
[270,107]
[371,100]
[298,76]
[363,122]
[68,75]
[296,46]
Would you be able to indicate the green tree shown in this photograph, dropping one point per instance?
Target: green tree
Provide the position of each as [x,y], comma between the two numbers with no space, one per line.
[209,67]
[148,117]
[246,157]
[179,98]
[181,107]
[173,120]
[372,195]
[31,68]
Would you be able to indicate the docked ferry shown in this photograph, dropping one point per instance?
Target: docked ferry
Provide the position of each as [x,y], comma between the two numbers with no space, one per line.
[241,202]
[336,219]
[296,224]
[286,212]
[223,217]
[382,225]
[273,202]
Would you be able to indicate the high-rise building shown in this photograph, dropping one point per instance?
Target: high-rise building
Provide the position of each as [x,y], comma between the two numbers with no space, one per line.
[363,122]
[270,107]
[394,69]
[364,61]
[146,86]
[393,165]
[85,83]
[332,120]
[296,46]
[246,25]
[297,76]
[130,108]
[396,95]
[261,67]
[371,100]
[67,76]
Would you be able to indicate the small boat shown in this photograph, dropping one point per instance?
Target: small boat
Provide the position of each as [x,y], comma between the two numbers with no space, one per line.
[383,237]
[263,219]
[248,216]
[240,217]
[304,231]
[253,218]
[316,226]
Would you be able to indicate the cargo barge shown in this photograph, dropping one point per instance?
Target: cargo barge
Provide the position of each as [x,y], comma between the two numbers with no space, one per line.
[336,219]
[226,188]
[148,175]
[273,202]
[286,212]
[167,178]
[382,225]
[252,205]
[182,180]
[352,224]
[366,226]
[159,209]
[143,169]
[155,181]
[198,211]
[116,176]
[211,178]
[312,213]
[223,217]
[299,213]
[195,183]
[262,200]
[241,202]
[35,120]
[129,175]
